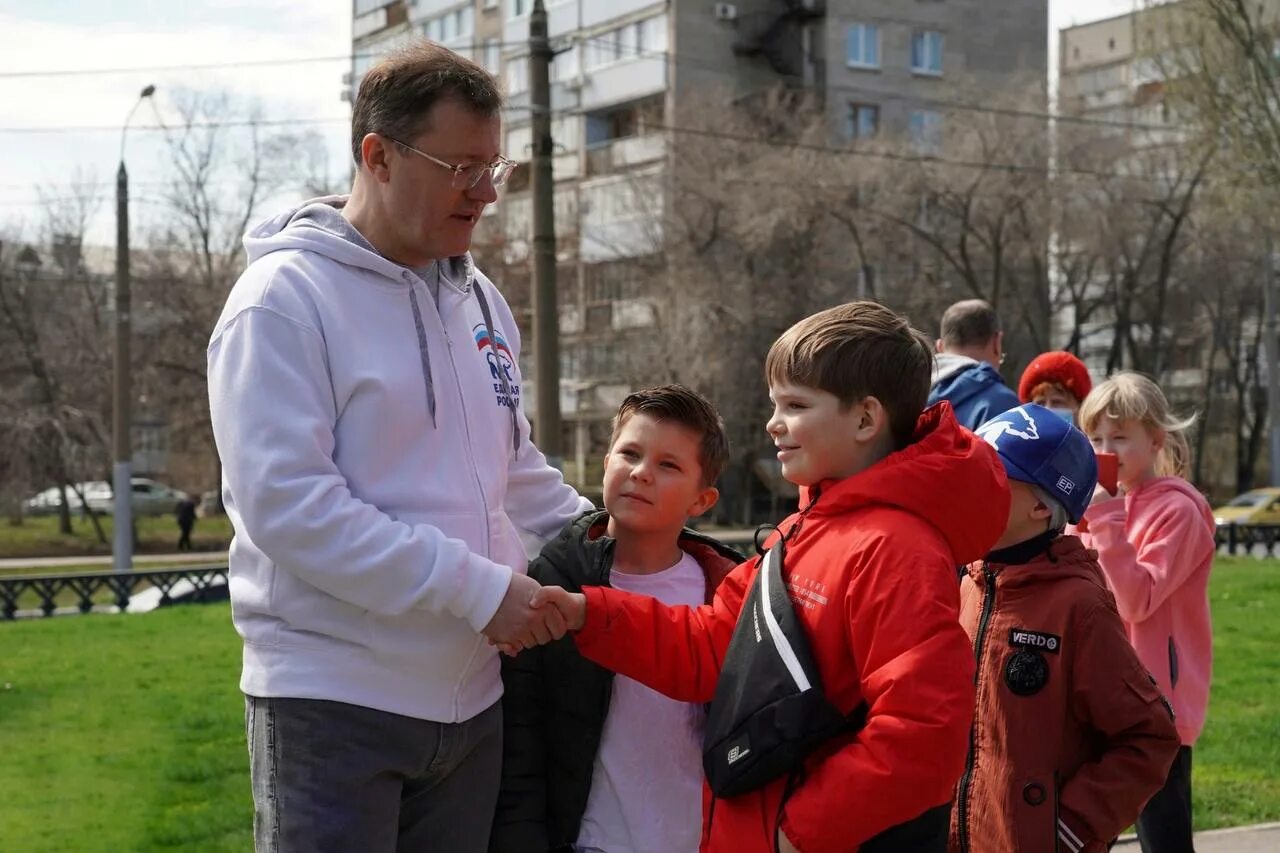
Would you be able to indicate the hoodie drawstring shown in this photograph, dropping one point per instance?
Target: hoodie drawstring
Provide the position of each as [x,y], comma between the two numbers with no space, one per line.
[424,355]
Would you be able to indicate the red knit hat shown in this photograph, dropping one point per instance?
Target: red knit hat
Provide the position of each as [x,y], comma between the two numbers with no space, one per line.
[1061,368]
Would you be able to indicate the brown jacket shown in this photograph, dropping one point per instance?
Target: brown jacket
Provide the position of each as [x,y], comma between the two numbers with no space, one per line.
[1070,735]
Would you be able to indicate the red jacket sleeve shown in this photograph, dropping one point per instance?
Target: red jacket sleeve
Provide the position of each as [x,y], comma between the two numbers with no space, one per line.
[674,650]
[916,675]
[1176,541]
[1114,695]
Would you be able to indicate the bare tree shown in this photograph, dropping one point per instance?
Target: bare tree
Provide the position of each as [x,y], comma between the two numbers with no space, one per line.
[224,164]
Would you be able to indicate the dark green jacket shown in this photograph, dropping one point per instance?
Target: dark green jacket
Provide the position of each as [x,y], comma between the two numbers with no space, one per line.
[555,700]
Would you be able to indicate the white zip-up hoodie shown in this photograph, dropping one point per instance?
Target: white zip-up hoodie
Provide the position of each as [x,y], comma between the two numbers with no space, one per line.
[372,541]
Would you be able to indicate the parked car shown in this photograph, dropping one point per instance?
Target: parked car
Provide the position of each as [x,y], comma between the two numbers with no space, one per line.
[1260,506]
[149,498]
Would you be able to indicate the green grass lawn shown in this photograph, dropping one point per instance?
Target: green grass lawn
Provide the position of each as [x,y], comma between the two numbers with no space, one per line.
[38,536]
[123,733]
[126,732]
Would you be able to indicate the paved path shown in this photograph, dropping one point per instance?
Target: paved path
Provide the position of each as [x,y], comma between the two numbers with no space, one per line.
[1263,838]
[210,557]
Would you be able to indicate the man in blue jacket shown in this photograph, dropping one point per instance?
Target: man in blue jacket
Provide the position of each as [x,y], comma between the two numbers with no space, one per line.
[965,371]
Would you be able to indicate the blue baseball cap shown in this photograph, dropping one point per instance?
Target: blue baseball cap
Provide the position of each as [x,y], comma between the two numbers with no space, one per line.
[1040,447]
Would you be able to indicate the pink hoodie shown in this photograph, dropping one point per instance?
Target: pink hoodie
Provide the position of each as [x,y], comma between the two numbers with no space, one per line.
[1156,548]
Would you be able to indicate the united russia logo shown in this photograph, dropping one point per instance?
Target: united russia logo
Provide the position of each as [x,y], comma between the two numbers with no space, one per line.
[501,364]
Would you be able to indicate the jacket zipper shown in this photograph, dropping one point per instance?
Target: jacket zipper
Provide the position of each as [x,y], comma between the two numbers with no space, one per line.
[966,780]
[475,471]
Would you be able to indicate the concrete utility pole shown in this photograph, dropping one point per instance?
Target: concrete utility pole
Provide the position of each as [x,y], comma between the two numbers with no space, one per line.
[121,377]
[546,315]
[1273,359]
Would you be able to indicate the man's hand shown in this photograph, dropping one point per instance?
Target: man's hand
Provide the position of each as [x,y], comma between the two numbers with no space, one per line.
[572,606]
[518,624]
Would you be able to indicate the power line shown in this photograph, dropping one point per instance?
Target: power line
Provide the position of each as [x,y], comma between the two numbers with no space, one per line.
[624,52]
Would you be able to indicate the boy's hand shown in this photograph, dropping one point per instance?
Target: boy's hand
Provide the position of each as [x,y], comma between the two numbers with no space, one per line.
[784,843]
[572,606]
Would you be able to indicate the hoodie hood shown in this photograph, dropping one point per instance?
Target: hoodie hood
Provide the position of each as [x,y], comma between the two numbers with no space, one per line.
[319,226]
[947,476]
[1066,557]
[1162,488]
[947,364]
[960,379]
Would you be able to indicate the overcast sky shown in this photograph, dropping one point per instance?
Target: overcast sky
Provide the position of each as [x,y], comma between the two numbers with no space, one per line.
[78,115]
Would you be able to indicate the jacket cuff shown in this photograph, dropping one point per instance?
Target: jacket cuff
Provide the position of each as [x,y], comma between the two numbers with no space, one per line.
[593,627]
[1072,836]
[490,582]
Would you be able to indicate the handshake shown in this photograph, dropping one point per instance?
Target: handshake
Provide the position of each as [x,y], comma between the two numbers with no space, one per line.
[534,615]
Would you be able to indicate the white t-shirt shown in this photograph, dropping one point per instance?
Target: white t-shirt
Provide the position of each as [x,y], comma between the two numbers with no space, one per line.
[646,786]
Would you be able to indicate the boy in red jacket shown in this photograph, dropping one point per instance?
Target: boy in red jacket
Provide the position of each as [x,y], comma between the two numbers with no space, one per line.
[892,499]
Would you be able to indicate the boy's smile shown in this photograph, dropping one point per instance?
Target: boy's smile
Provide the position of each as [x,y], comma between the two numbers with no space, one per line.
[817,438]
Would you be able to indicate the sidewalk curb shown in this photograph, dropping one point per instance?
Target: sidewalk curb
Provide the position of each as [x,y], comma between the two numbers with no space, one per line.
[1214,833]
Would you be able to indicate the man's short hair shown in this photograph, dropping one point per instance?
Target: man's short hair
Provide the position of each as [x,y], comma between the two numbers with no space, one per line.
[397,93]
[858,350]
[686,407]
[971,323]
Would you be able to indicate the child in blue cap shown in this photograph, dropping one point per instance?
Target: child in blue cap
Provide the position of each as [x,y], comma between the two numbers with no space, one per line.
[1070,734]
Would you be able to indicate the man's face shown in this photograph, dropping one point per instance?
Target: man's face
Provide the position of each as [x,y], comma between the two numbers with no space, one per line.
[430,217]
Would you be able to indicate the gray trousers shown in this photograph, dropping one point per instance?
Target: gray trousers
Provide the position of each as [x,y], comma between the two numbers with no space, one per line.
[328,776]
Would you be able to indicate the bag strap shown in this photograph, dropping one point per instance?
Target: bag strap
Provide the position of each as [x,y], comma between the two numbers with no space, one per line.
[478,289]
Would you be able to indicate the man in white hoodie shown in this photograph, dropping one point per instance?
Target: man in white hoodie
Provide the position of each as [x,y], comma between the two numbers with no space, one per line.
[365,393]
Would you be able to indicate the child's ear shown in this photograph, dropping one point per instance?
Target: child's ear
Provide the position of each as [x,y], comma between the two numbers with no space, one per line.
[706,500]
[873,421]
[1041,512]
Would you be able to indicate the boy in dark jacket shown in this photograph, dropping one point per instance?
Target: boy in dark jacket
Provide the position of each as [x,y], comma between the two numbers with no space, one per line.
[892,499]
[594,761]
[1071,735]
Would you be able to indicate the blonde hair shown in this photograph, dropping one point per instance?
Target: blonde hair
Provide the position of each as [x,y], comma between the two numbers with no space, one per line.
[1132,396]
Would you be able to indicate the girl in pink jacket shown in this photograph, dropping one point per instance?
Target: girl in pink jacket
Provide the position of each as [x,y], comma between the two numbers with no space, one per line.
[1155,543]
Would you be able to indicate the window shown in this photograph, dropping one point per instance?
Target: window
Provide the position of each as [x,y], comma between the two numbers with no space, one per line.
[926,131]
[456,25]
[517,75]
[862,121]
[366,6]
[490,4]
[862,47]
[489,59]
[926,52]
[520,7]
[564,66]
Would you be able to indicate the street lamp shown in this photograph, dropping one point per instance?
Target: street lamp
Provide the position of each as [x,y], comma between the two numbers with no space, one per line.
[122,451]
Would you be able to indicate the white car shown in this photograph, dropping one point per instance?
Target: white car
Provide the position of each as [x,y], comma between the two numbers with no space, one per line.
[149,498]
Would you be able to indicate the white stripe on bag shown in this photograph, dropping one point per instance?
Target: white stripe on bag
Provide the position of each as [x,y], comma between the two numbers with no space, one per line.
[1069,838]
[780,641]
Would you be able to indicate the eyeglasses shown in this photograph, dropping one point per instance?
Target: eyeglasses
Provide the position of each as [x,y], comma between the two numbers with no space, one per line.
[467,175]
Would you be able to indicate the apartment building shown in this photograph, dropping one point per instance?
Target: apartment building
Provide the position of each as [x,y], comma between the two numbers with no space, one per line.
[628,71]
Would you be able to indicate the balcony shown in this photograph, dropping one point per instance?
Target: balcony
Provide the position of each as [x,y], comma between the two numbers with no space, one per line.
[617,154]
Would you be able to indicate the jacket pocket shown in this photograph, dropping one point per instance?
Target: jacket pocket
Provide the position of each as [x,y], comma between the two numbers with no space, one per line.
[1035,814]
[1173,663]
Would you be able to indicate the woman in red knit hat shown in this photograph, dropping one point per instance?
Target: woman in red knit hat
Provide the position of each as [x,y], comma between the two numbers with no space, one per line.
[1058,381]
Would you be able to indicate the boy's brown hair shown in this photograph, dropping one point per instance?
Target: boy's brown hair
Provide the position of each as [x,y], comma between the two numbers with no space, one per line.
[397,93]
[858,350]
[681,405]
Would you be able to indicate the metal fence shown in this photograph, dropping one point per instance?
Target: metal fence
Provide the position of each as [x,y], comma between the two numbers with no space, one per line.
[1256,540]
[83,592]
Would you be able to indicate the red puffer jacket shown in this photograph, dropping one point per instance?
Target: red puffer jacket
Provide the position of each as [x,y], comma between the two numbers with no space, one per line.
[872,571]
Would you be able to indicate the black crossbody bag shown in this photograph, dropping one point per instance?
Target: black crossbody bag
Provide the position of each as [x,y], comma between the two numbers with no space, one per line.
[769,711]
